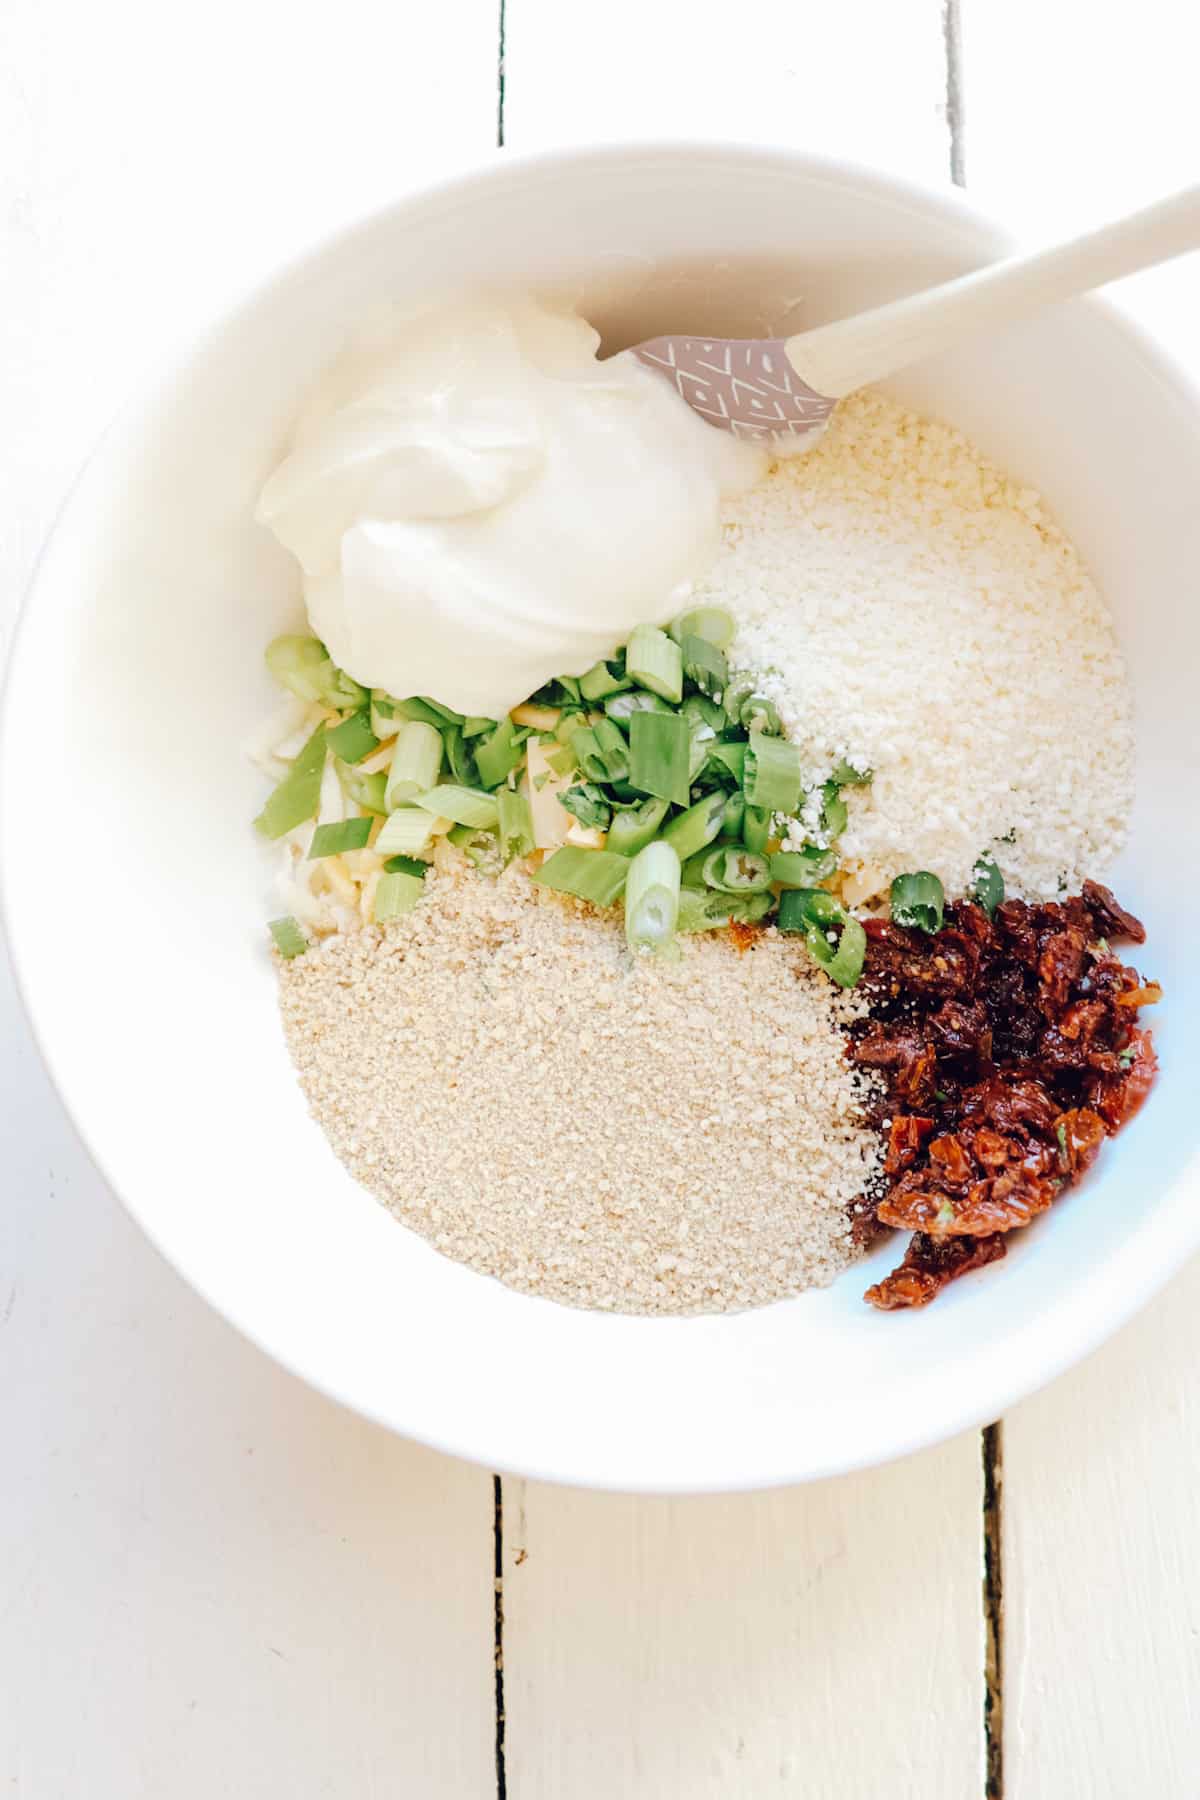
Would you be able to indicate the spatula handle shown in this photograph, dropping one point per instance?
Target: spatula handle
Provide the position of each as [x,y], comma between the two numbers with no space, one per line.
[836,359]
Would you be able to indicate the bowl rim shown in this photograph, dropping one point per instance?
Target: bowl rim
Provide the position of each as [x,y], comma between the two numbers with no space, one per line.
[1163,1243]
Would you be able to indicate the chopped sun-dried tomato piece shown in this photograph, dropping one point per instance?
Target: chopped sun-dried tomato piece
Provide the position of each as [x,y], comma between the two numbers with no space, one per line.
[928,1266]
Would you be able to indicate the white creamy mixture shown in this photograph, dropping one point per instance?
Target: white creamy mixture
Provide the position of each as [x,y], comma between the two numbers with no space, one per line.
[481,505]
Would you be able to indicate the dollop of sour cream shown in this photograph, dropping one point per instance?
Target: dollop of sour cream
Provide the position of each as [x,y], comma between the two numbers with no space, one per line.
[479,504]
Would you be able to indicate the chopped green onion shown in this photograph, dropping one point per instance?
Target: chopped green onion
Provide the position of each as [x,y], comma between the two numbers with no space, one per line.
[772,774]
[634,827]
[701,706]
[353,738]
[603,679]
[801,907]
[817,914]
[918,900]
[416,762]
[295,661]
[442,712]
[367,791]
[622,707]
[406,865]
[696,827]
[843,961]
[405,832]
[734,818]
[706,910]
[712,623]
[833,811]
[396,894]
[516,823]
[736,871]
[660,751]
[423,710]
[756,829]
[802,868]
[655,662]
[987,884]
[588,805]
[586,749]
[704,664]
[613,749]
[289,938]
[594,875]
[460,836]
[736,696]
[729,760]
[473,727]
[466,806]
[652,898]
[345,834]
[846,775]
[497,754]
[570,688]
[298,795]
[459,758]
[701,740]
[385,721]
[759,714]
[303,665]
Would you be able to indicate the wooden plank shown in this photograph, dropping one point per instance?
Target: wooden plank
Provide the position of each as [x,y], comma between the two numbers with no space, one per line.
[864,78]
[825,1640]
[1075,112]
[214,1582]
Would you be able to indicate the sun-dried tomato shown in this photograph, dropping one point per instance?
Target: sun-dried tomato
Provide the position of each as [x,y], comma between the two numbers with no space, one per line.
[1007,1047]
[928,1266]
[906,1138]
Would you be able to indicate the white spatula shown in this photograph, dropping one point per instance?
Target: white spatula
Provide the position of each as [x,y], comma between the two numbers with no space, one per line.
[770,387]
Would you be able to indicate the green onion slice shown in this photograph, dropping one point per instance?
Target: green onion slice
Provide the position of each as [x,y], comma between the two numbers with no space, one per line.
[655,662]
[918,901]
[298,795]
[416,762]
[516,823]
[692,830]
[497,754]
[652,899]
[704,665]
[802,868]
[289,938]
[367,791]
[594,875]
[406,865]
[612,750]
[736,871]
[635,826]
[622,707]
[846,775]
[466,806]
[987,884]
[729,760]
[733,821]
[660,755]
[405,832]
[397,893]
[756,829]
[833,811]
[801,907]
[842,961]
[603,679]
[712,623]
[757,713]
[772,774]
[345,834]
[353,738]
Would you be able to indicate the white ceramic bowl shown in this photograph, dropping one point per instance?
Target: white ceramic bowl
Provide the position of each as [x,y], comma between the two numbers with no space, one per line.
[136,890]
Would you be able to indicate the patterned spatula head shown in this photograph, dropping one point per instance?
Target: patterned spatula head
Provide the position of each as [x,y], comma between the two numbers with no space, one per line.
[743,385]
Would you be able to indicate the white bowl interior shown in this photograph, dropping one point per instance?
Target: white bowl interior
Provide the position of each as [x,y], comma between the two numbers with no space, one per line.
[137,678]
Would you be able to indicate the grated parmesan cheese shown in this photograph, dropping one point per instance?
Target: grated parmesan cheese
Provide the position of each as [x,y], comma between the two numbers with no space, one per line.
[920,614]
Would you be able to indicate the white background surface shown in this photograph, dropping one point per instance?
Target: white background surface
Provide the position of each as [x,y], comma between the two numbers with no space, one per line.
[213,1582]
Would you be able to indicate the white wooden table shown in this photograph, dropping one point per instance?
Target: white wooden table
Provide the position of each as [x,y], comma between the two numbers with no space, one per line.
[213,1582]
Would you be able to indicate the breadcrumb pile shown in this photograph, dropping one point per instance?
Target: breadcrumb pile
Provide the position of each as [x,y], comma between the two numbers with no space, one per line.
[603,1130]
[919,613]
